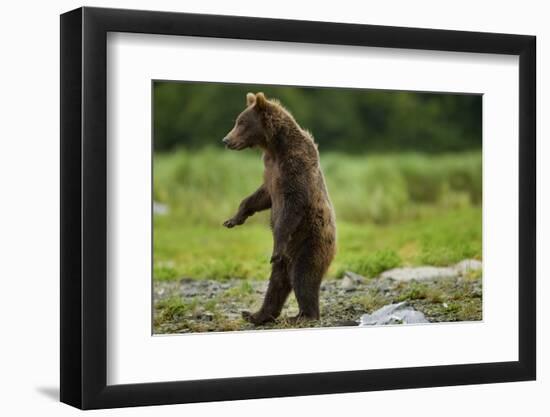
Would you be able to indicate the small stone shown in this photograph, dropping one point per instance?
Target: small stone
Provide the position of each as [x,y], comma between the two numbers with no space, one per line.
[467,265]
[207,316]
[356,278]
[160,209]
[383,285]
[329,285]
[347,284]
[477,291]
[189,291]
[203,315]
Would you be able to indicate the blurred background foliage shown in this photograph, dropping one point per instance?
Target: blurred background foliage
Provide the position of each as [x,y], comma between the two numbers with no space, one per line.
[203,186]
[403,169]
[195,115]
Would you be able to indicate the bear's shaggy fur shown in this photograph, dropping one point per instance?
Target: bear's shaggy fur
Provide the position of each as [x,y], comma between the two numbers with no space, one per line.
[302,217]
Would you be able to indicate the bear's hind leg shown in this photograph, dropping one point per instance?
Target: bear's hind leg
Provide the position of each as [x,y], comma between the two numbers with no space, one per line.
[306,276]
[277,292]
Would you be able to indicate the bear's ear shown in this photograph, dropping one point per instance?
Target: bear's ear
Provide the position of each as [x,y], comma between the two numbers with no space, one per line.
[250,99]
[261,101]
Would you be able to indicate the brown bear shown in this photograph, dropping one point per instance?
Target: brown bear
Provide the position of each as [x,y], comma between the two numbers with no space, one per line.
[302,217]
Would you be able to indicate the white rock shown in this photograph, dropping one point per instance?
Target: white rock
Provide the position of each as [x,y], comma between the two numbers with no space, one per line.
[356,278]
[468,265]
[398,313]
[160,209]
[347,283]
[420,273]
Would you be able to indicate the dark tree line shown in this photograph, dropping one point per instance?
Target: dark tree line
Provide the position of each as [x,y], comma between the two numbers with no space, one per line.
[195,115]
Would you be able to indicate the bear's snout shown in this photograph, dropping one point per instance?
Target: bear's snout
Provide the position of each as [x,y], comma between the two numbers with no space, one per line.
[234,144]
[229,144]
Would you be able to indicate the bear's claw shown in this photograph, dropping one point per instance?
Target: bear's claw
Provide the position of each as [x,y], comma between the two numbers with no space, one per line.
[229,223]
[233,222]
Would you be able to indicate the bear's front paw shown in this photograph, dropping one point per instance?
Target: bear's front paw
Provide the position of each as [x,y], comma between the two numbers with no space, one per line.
[229,223]
[232,222]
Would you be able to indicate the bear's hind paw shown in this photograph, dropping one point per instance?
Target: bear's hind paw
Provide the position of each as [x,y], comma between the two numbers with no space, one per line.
[256,318]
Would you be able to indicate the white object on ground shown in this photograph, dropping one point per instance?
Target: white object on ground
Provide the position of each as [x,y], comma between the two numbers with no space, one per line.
[420,273]
[160,209]
[399,313]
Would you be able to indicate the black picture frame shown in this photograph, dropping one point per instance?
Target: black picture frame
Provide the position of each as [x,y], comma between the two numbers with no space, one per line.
[84,207]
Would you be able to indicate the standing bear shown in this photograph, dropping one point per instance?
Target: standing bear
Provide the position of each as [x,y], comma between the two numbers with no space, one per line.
[302,217]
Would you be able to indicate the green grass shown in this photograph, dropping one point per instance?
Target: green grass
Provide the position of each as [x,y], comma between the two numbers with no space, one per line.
[173,309]
[205,187]
[403,209]
[370,301]
[369,264]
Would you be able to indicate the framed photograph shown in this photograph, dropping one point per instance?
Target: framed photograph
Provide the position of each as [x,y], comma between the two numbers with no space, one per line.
[259,208]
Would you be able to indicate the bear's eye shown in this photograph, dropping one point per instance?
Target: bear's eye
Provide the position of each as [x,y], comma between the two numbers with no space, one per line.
[240,122]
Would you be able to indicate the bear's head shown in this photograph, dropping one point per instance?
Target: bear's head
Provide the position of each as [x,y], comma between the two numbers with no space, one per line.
[249,129]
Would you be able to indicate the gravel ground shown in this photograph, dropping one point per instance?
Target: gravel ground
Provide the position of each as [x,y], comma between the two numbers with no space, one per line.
[441,294]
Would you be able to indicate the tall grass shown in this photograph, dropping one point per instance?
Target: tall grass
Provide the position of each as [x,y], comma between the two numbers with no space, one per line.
[206,186]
